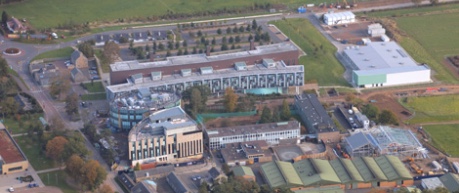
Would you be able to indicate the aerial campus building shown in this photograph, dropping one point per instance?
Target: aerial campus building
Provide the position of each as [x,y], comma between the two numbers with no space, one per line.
[335,18]
[384,140]
[319,124]
[381,64]
[167,135]
[272,133]
[361,172]
[266,67]
[129,108]
[12,159]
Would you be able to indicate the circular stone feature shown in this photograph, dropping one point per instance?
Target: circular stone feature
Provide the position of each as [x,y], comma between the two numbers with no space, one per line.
[12,51]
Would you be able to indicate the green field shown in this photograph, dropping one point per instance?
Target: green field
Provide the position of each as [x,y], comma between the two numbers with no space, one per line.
[93,97]
[16,127]
[95,87]
[59,53]
[51,13]
[434,108]
[57,179]
[320,64]
[34,154]
[445,137]
[412,11]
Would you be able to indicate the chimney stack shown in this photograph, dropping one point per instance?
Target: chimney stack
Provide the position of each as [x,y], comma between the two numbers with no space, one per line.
[208,51]
[252,45]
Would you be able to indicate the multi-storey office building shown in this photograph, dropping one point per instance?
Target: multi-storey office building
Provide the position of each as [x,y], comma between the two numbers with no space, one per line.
[167,135]
[269,132]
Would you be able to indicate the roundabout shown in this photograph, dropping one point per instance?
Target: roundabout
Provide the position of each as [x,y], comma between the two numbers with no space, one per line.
[12,51]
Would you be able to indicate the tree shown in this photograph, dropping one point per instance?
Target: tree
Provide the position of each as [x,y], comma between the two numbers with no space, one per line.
[275,115]
[5,17]
[170,46]
[370,111]
[76,146]
[177,45]
[9,106]
[224,47]
[248,28]
[137,167]
[266,115]
[231,39]
[233,47]
[155,46]
[226,168]
[179,52]
[161,46]
[86,49]
[237,39]
[105,188]
[186,52]
[55,147]
[198,99]
[213,41]
[93,174]
[71,104]
[241,29]
[224,40]
[246,103]
[111,50]
[73,166]
[59,85]
[254,24]
[184,44]
[194,50]
[235,30]
[228,30]
[387,117]
[286,114]
[199,33]
[250,37]
[219,31]
[168,53]
[203,187]
[417,2]
[230,99]
[3,67]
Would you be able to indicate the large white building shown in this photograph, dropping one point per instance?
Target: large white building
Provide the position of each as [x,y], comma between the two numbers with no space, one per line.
[166,136]
[384,64]
[339,18]
[269,132]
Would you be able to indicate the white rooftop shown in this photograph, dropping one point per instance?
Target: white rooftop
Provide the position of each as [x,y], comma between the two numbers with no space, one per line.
[432,183]
[379,55]
[200,58]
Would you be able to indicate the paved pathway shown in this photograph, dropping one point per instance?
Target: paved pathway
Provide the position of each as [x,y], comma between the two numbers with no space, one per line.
[50,170]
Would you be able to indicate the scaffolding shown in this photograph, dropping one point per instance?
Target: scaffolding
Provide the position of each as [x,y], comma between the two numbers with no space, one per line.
[384,140]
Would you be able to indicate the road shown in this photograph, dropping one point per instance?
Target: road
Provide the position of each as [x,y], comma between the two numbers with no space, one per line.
[52,108]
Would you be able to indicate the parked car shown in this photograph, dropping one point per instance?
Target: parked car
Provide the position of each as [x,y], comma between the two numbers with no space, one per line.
[11,189]
[95,78]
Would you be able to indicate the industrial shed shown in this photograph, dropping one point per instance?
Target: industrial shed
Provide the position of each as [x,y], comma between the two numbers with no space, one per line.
[384,140]
[361,172]
[339,18]
[381,64]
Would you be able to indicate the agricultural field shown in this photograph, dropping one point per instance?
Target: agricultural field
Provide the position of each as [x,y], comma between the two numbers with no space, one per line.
[423,43]
[51,13]
[433,108]
[320,63]
[445,137]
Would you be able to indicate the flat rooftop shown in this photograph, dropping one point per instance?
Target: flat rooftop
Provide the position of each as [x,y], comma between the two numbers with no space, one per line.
[239,151]
[379,55]
[144,99]
[200,58]
[162,122]
[217,74]
[314,111]
[9,150]
[250,129]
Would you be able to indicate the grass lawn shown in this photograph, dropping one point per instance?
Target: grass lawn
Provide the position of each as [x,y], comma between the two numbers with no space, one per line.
[63,52]
[320,64]
[95,87]
[445,137]
[21,126]
[411,11]
[51,13]
[57,179]
[94,97]
[33,152]
[434,108]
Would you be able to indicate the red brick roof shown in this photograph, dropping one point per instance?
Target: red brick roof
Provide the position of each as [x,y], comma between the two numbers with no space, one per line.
[8,150]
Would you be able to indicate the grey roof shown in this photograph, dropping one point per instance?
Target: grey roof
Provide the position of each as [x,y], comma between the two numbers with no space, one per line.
[103,38]
[381,58]
[214,173]
[146,186]
[358,140]
[200,58]
[75,71]
[126,181]
[450,181]
[74,56]
[258,69]
[311,109]
[176,184]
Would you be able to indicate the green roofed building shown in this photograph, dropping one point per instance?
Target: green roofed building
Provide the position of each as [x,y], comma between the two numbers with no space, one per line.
[361,172]
[450,181]
[244,172]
